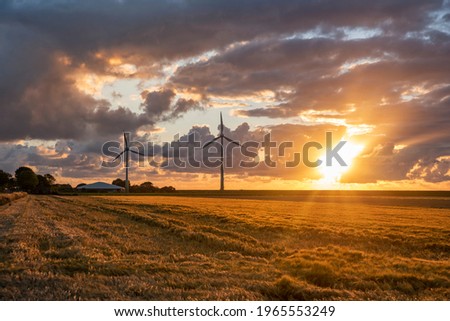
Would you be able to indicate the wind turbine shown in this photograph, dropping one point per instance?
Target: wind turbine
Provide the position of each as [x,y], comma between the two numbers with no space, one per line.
[221,137]
[126,150]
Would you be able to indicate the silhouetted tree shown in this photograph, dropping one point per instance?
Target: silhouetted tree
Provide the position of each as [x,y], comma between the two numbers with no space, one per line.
[135,189]
[50,179]
[119,182]
[26,179]
[45,183]
[5,179]
[167,189]
[147,187]
[62,188]
[80,185]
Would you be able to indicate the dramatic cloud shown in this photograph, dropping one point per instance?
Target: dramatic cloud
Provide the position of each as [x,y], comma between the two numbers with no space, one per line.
[159,105]
[74,74]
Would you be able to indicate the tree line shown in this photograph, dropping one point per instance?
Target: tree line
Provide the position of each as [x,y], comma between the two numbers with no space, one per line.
[146,187]
[26,180]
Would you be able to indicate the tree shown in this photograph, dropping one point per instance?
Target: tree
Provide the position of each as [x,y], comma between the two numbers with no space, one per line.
[80,185]
[44,185]
[4,179]
[147,187]
[135,189]
[167,189]
[62,189]
[50,179]
[26,179]
[119,182]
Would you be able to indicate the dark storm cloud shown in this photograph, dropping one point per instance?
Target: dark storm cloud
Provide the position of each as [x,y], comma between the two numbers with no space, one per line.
[179,28]
[161,105]
[37,100]
[157,102]
[36,33]
[182,106]
[314,69]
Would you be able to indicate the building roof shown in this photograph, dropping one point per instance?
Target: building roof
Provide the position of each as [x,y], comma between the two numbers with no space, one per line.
[100,185]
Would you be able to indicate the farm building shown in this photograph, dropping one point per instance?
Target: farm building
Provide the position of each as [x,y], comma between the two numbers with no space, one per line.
[100,187]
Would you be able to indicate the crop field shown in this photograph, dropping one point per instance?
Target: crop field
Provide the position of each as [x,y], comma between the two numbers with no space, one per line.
[236,246]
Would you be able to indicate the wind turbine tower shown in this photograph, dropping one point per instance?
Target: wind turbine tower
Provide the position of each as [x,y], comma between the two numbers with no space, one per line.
[221,137]
[127,151]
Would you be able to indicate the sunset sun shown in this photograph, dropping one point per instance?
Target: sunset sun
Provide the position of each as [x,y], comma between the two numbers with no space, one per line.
[333,173]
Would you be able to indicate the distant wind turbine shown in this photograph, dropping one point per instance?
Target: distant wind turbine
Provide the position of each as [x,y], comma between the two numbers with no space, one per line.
[221,137]
[126,150]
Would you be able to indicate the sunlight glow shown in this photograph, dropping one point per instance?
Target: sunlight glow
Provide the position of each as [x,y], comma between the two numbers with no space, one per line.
[332,174]
[91,83]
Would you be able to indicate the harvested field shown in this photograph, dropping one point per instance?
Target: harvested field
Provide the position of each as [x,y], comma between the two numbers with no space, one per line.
[204,248]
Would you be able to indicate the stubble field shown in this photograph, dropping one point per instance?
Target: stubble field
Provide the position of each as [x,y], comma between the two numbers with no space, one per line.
[257,246]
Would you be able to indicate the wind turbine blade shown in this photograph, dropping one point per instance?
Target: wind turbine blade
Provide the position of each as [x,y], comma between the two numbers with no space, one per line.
[118,156]
[231,141]
[125,139]
[209,143]
[133,151]
[221,124]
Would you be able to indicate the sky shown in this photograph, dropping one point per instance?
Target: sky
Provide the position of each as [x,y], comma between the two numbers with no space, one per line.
[76,74]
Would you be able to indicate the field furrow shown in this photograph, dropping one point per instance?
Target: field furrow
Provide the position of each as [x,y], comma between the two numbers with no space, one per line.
[180,248]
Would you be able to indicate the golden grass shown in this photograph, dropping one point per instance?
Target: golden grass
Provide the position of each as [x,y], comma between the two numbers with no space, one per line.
[183,248]
[8,198]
